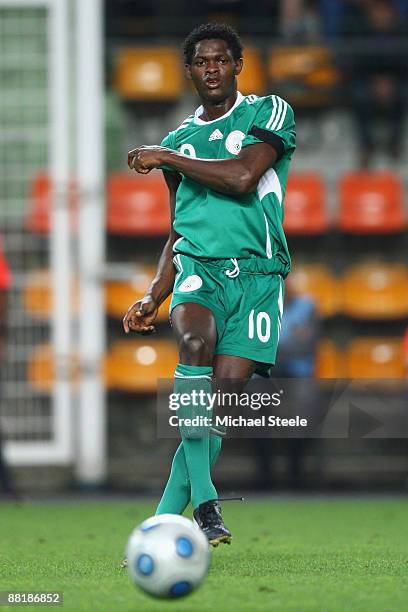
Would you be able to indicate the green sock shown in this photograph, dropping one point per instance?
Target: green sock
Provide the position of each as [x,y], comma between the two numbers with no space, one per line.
[215,449]
[177,494]
[195,443]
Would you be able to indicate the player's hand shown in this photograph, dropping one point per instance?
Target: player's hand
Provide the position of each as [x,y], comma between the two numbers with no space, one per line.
[140,316]
[145,158]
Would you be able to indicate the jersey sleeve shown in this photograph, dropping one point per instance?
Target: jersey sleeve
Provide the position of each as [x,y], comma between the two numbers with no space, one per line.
[274,123]
[168,141]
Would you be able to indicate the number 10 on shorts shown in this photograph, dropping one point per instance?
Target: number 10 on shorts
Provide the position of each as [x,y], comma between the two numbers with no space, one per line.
[262,324]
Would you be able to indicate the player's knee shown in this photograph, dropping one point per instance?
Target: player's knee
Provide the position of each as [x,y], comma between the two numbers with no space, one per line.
[194,349]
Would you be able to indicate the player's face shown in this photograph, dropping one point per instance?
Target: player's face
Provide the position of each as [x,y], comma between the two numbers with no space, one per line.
[213,70]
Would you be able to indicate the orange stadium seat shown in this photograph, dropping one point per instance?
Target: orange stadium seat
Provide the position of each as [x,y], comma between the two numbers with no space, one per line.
[138,205]
[376,291]
[371,202]
[38,219]
[37,295]
[317,281]
[136,364]
[377,358]
[305,205]
[307,72]
[149,73]
[41,369]
[252,78]
[329,360]
[405,347]
[119,295]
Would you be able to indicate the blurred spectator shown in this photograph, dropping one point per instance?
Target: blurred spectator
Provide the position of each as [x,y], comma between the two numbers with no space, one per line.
[342,18]
[296,359]
[300,20]
[377,74]
[5,280]
[299,336]
[128,18]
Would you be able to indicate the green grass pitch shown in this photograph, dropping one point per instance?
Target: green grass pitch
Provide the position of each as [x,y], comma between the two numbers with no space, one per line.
[287,554]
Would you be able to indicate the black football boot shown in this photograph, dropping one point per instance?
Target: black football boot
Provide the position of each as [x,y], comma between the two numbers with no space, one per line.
[208,517]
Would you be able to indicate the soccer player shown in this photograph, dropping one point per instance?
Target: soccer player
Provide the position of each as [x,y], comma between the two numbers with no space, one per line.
[226,169]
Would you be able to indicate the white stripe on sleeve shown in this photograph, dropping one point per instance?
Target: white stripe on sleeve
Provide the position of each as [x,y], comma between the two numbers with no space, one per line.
[279,115]
[282,118]
[272,117]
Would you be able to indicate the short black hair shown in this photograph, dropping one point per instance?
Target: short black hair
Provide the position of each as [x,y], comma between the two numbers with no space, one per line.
[209,31]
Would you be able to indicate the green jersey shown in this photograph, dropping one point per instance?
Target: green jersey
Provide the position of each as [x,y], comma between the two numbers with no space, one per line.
[217,225]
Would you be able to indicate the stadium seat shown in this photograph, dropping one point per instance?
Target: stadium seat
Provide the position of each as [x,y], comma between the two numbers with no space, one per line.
[5,272]
[148,73]
[405,348]
[329,360]
[134,365]
[377,358]
[317,281]
[307,74]
[252,78]
[376,291]
[38,219]
[371,203]
[305,205]
[119,295]
[41,369]
[138,205]
[37,295]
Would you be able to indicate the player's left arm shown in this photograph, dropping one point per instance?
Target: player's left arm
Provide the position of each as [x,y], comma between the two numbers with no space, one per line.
[232,176]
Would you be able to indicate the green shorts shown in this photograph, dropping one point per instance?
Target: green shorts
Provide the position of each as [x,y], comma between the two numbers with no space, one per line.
[247,305]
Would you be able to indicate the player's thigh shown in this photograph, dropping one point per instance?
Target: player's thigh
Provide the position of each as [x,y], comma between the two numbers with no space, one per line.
[195,329]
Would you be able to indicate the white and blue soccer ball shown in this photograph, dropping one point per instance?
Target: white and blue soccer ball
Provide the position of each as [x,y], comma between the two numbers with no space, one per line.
[168,556]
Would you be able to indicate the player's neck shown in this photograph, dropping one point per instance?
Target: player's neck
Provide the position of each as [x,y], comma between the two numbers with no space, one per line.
[215,110]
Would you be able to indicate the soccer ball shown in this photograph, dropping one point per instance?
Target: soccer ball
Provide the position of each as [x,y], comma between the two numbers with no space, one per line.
[168,556]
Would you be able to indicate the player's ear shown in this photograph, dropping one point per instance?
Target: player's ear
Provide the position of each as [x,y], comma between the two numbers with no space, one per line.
[238,66]
[188,71]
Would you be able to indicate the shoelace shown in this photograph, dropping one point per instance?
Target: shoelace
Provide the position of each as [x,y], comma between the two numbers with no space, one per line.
[235,271]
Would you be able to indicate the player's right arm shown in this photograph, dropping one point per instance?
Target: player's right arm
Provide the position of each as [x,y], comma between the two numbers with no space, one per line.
[141,315]
[270,136]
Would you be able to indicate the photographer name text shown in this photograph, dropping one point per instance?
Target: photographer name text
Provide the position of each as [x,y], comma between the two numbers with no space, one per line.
[238,421]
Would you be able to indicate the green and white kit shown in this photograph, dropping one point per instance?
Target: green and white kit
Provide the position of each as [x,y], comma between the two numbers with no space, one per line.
[232,254]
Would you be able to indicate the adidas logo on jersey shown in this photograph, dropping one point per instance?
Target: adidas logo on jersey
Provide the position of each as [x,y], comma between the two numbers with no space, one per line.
[216,135]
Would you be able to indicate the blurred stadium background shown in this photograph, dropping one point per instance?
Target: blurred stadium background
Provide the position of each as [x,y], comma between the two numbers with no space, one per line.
[83,82]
